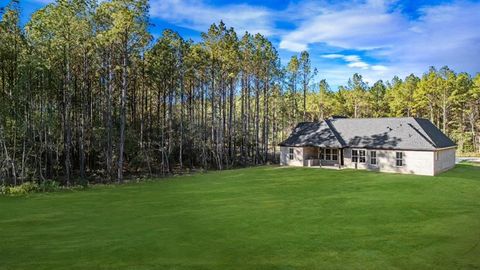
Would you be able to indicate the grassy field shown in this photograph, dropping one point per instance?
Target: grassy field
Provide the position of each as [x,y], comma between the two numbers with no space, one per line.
[257,218]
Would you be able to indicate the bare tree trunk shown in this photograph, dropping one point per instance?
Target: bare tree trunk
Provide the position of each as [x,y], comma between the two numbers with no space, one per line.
[123,105]
[8,159]
[66,120]
[444,113]
[305,86]
[231,154]
[82,119]
[257,120]
[181,120]
[22,171]
[265,119]
[472,121]
[110,82]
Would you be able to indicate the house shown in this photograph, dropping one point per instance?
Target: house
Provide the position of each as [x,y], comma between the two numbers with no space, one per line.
[401,145]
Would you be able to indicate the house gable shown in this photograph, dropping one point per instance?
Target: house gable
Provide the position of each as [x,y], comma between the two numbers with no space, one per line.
[316,134]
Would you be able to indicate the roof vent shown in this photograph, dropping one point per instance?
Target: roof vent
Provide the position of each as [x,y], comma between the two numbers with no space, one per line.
[338,116]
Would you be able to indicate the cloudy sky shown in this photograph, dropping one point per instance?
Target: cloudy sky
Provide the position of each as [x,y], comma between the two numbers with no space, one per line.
[376,38]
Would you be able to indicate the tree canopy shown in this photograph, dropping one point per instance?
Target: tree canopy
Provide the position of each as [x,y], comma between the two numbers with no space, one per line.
[86,95]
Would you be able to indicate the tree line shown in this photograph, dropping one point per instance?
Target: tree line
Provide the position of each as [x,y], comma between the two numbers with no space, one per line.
[87,95]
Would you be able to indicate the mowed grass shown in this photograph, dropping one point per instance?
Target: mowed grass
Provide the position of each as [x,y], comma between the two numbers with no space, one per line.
[256,218]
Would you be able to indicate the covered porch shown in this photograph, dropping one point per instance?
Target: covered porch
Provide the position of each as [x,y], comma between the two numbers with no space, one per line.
[312,144]
[324,157]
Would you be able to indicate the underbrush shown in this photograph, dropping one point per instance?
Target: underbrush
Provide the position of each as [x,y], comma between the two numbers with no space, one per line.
[34,187]
[468,154]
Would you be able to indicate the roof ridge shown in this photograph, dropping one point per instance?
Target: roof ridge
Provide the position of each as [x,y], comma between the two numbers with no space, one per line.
[424,136]
[430,139]
[335,132]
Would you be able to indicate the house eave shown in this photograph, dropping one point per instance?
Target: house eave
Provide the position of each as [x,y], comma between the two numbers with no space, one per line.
[310,145]
[371,147]
[402,148]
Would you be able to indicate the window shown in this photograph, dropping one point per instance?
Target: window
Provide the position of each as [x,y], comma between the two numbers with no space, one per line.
[358,156]
[290,153]
[373,157]
[328,154]
[361,156]
[399,159]
[334,154]
[354,155]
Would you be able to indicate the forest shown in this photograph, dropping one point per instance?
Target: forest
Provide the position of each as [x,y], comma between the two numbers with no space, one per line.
[87,95]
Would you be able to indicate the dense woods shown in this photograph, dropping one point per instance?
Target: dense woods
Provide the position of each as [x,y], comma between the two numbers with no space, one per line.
[87,95]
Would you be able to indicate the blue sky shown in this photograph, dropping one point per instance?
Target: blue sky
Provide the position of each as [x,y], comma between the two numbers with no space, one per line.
[376,38]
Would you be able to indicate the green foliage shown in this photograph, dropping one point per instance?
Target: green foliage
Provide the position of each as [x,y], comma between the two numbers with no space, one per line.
[22,189]
[49,186]
[377,99]
[34,187]
[401,95]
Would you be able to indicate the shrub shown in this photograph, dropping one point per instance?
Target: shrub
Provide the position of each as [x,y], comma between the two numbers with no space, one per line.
[33,187]
[25,188]
[49,186]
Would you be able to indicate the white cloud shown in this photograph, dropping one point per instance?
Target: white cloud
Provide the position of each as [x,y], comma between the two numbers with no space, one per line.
[195,14]
[359,64]
[43,1]
[295,46]
[362,26]
[333,56]
[445,34]
[354,61]
[379,68]
[352,58]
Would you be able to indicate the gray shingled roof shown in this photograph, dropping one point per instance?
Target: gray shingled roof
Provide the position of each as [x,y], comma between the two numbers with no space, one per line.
[312,134]
[386,133]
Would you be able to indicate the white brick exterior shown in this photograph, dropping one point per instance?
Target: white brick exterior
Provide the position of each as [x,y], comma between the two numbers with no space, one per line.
[445,160]
[414,162]
[297,156]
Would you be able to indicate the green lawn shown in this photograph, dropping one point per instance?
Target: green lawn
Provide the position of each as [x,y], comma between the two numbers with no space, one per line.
[257,218]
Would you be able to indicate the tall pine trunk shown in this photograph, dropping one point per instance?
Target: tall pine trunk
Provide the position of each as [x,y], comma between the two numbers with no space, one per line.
[123,105]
